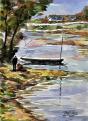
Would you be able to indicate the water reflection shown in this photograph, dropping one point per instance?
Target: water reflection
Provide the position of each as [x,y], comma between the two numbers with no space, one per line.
[74,56]
[59,98]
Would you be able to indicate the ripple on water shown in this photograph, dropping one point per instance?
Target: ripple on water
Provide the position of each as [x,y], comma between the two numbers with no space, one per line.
[55,99]
[64,100]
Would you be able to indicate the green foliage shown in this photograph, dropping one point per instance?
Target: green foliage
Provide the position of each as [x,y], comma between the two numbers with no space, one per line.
[6,4]
[85,26]
[11,18]
[86,12]
[5,94]
[0,43]
[37,9]
[59,27]
[47,27]
[44,3]
[79,27]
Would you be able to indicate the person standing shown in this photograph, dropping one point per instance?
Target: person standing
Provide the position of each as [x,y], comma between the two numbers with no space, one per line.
[14,62]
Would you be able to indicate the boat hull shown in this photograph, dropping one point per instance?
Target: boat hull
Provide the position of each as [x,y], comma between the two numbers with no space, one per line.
[44,61]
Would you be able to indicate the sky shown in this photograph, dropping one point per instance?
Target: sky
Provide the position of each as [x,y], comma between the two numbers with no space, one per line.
[64,7]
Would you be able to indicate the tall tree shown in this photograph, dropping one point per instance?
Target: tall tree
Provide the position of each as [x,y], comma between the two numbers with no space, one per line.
[13,14]
[5,9]
[85,11]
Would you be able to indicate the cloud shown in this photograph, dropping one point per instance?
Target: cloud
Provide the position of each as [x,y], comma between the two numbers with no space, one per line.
[64,7]
[70,1]
[58,9]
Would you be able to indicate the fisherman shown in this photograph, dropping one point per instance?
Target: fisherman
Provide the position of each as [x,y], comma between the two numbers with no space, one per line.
[14,62]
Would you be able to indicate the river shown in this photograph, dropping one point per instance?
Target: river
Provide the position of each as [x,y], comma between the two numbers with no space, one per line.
[59,98]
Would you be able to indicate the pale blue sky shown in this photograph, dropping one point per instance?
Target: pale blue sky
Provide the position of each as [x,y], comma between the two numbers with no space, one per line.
[66,6]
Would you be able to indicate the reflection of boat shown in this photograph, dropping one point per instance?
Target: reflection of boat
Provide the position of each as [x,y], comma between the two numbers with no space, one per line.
[41,61]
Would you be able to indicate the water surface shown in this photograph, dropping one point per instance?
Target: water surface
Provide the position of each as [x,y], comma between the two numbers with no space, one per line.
[59,98]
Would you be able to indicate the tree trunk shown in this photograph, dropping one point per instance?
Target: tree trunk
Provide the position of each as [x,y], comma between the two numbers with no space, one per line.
[6,32]
[4,43]
[4,46]
[11,43]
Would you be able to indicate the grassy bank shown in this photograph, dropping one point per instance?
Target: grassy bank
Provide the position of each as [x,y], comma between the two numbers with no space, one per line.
[11,84]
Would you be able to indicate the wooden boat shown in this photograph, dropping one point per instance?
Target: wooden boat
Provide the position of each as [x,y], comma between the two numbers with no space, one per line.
[45,61]
[42,61]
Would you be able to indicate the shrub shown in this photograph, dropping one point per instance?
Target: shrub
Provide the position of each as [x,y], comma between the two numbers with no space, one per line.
[79,27]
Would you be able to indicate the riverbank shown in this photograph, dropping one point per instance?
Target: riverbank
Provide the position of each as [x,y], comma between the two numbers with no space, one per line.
[13,82]
[76,32]
[18,113]
[71,42]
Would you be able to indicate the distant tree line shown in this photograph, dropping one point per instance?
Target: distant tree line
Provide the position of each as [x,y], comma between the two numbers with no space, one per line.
[83,15]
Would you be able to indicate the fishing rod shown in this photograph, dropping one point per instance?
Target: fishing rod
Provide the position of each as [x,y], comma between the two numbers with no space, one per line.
[62,38]
[61,46]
